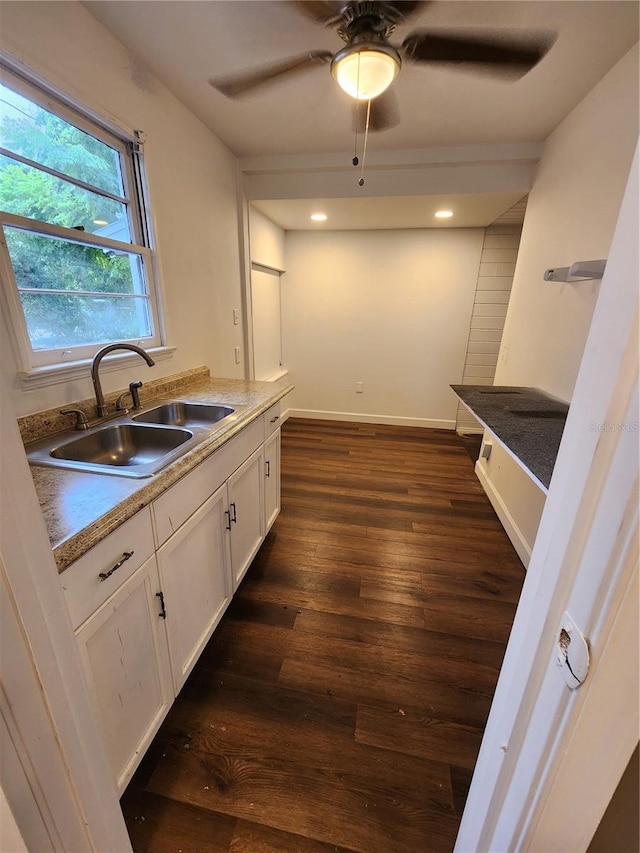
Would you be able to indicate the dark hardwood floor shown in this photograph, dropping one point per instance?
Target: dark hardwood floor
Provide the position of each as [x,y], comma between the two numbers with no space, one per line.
[339,706]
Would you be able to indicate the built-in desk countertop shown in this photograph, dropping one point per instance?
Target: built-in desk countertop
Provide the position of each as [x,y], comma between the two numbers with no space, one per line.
[528,423]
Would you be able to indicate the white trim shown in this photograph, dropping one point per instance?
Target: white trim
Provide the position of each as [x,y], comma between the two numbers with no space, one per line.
[53,725]
[53,374]
[16,61]
[523,549]
[359,417]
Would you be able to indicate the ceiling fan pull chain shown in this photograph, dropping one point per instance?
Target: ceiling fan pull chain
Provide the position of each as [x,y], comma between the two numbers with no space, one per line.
[355,108]
[364,147]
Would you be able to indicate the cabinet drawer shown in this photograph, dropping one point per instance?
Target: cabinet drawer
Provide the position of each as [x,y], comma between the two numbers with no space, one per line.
[178,503]
[272,419]
[84,589]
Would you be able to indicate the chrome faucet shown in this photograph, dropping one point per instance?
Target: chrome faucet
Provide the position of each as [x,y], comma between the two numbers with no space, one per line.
[95,364]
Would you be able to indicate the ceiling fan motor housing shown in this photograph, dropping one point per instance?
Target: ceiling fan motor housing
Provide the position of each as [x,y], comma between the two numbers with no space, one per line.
[366,20]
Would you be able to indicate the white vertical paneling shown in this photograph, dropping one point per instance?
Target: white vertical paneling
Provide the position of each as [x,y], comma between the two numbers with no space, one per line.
[493,289]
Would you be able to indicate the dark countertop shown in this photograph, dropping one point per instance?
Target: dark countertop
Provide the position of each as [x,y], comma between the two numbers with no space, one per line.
[527,421]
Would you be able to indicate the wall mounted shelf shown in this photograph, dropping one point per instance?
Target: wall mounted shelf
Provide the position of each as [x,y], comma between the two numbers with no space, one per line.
[579,271]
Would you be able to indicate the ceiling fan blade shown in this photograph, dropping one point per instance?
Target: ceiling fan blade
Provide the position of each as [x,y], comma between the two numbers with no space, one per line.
[385,113]
[235,86]
[510,57]
[322,11]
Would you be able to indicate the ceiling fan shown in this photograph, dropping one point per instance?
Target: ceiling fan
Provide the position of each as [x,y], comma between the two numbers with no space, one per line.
[369,63]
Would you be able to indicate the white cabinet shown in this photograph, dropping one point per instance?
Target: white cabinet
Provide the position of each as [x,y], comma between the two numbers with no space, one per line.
[246,513]
[124,649]
[271,479]
[195,575]
[146,599]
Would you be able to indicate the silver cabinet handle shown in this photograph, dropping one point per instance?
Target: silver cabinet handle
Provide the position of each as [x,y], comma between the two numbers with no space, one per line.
[125,556]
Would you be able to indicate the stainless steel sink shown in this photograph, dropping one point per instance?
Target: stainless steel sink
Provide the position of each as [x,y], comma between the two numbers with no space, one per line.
[122,444]
[136,445]
[127,449]
[182,414]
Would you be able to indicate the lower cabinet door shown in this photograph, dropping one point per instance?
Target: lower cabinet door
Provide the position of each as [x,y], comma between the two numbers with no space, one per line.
[246,512]
[124,650]
[195,573]
[271,479]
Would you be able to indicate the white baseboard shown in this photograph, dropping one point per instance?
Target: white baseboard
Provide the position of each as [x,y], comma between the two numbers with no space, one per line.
[359,418]
[512,530]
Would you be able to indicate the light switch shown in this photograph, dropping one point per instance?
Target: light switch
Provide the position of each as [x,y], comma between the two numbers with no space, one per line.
[237,352]
[236,316]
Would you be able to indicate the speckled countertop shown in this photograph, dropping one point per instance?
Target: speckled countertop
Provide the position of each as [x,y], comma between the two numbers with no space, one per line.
[527,421]
[80,508]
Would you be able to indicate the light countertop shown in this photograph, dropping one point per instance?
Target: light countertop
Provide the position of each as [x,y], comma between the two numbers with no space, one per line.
[80,508]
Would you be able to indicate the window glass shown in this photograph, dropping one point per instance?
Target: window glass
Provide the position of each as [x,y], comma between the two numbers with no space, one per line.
[70,223]
[73,293]
[37,134]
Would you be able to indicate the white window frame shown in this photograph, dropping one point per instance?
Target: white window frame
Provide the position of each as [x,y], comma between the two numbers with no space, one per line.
[38,368]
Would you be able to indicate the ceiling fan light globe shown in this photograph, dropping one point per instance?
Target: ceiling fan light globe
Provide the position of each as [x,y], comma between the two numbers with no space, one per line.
[365,72]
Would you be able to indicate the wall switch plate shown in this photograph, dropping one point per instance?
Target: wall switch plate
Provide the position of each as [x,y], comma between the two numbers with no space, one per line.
[237,354]
[572,653]
[359,387]
[236,316]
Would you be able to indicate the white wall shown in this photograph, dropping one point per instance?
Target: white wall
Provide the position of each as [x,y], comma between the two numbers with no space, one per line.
[571,215]
[388,308]
[192,184]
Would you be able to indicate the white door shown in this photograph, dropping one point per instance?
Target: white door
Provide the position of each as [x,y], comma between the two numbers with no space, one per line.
[246,513]
[195,574]
[271,479]
[124,649]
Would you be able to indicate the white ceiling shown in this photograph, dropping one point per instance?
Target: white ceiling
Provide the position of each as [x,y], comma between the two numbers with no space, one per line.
[185,43]
[469,210]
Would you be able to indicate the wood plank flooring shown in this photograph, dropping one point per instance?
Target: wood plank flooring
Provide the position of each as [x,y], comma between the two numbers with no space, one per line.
[340,705]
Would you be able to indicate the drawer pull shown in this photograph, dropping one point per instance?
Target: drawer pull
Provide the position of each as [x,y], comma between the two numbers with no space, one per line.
[228,514]
[268,464]
[273,420]
[163,611]
[234,517]
[125,556]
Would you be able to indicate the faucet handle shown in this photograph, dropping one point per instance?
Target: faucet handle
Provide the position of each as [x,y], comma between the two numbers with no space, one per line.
[120,404]
[82,421]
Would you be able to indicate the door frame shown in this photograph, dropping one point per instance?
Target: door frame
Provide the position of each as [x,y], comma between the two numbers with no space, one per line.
[540,733]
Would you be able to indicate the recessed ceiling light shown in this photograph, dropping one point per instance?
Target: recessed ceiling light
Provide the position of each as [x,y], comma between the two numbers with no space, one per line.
[100,222]
[319,217]
[444,214]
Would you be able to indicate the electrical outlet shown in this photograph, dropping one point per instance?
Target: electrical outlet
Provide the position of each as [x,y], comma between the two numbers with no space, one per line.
[504,355]
[237,353]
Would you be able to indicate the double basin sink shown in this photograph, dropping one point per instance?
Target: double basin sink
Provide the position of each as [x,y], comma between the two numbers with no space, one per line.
[136,446]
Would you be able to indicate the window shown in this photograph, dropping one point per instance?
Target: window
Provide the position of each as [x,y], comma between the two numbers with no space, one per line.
[75,255]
